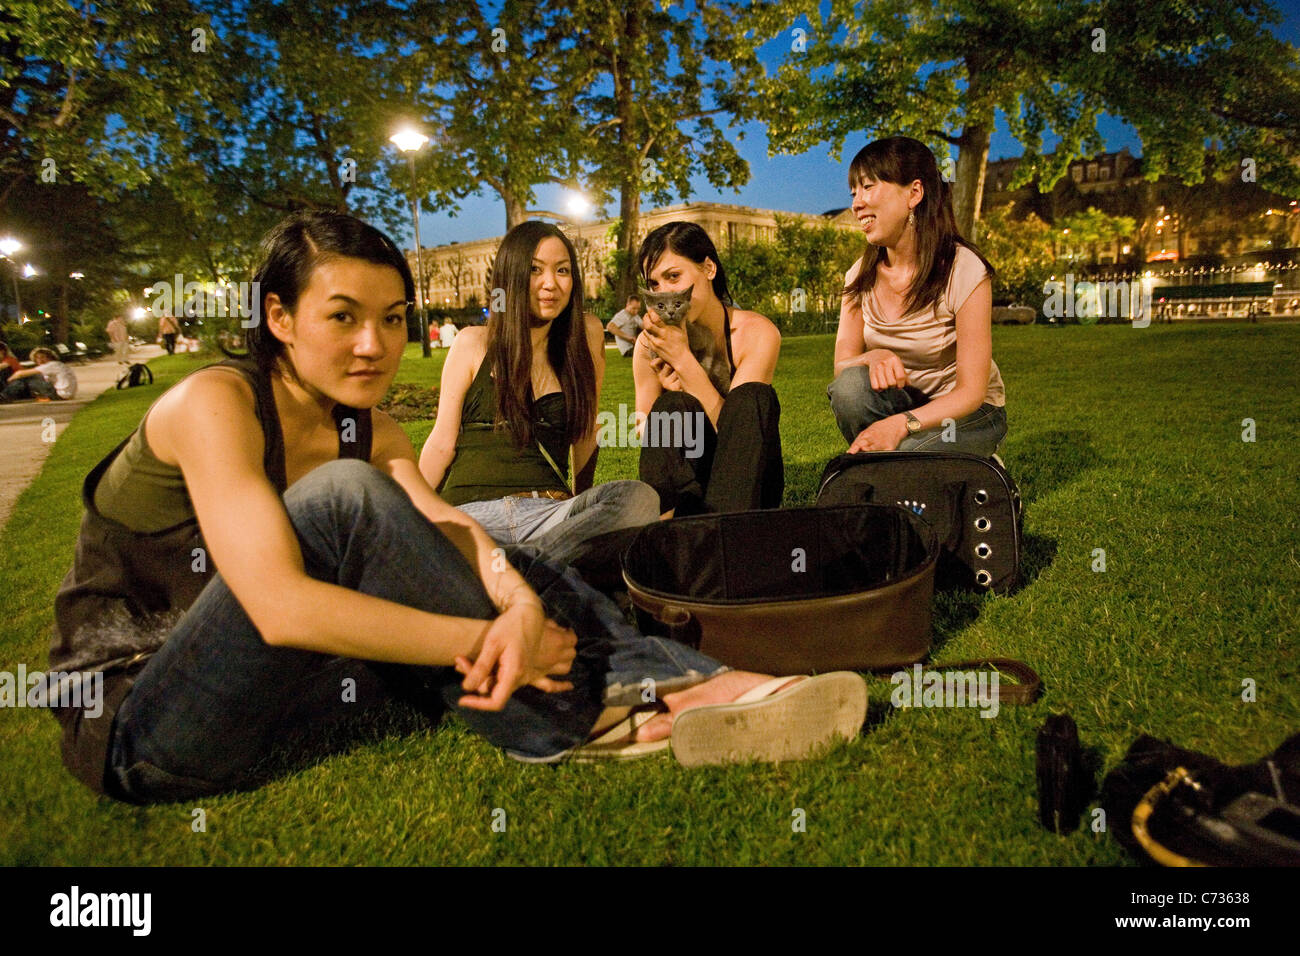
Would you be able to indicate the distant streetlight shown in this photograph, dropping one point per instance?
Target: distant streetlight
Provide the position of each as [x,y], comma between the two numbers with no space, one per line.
[29,271]
[8,246]
[410,141]
[578,205]
[76,275]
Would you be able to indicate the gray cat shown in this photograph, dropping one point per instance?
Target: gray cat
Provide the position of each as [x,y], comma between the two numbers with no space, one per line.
[671,307]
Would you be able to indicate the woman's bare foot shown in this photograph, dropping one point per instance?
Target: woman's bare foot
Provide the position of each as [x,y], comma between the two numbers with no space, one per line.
[722,689]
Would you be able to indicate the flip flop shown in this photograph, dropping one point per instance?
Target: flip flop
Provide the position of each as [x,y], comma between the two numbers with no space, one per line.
[617,742]
[770,725]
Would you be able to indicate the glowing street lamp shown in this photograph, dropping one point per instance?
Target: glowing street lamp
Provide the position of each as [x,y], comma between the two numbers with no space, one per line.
[578,205]
[410,141]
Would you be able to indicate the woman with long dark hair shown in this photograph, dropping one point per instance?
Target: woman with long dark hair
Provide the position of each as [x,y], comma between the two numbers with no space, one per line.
[703,449]
[914,353]
[261,559]
[517,395]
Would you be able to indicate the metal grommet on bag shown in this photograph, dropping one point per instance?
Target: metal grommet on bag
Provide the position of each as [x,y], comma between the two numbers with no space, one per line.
[983,578]
[981,497]
[983,524]
[982,550]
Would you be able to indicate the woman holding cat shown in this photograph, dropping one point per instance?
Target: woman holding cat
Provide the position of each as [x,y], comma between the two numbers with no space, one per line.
[516,396]
[738,467]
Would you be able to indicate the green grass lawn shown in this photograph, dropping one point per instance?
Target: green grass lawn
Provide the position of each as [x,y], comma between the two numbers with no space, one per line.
[1121,439]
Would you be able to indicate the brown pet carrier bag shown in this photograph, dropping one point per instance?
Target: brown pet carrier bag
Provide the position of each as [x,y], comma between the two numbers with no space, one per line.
[789,591]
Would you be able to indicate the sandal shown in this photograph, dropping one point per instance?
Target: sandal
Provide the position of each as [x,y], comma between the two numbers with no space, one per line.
[771,724]
[619,743]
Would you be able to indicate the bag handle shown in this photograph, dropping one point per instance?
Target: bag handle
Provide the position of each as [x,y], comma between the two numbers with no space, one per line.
[564,482]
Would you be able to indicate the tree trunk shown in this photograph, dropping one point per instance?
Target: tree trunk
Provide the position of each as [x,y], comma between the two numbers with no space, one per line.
[515,211]
[972,161]
[630,137]
[629,219]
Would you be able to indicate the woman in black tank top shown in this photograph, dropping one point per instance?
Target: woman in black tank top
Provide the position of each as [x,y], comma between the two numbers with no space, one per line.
[516,397]
[702,450]
[320,576]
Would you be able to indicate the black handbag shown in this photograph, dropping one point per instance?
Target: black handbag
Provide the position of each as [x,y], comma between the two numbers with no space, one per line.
[970,501]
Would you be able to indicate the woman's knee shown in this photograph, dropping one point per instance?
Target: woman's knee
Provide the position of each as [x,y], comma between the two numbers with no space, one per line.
[759,394]
[670,401]
[343,480]
[849,386]
[638,503]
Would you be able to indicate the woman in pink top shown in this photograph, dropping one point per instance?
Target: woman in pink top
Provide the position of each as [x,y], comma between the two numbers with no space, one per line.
[914,354]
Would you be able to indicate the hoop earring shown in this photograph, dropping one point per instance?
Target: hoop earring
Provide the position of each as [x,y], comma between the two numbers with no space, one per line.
[911,218]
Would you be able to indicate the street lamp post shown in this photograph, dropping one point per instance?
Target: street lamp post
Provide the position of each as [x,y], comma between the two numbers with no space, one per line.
[409,141]
[8,246]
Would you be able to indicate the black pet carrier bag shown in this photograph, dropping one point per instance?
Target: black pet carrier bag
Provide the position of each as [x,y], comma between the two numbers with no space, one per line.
[970,501]
[789,591]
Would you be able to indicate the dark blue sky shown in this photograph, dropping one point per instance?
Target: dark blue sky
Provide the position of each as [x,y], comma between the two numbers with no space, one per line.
[811,182]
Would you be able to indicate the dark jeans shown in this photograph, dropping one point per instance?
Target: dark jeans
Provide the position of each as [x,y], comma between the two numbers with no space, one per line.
[215,700]
[29,386]
[856,405]
[169,342]
[738,467]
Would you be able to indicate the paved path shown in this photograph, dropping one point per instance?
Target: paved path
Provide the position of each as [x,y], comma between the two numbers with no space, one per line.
[25,426]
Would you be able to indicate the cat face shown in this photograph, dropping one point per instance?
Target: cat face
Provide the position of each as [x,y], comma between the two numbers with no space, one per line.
[675,273]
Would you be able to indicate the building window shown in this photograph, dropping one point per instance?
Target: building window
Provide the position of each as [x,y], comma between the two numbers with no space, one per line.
[1105,172]
[1076,173]
[1092,172]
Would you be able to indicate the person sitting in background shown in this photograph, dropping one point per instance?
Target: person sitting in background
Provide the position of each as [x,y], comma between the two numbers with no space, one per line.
[446,334]
[625,326]
[8,363]
[49,379]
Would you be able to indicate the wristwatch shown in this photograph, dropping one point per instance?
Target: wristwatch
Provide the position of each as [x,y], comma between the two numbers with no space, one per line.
[913,423]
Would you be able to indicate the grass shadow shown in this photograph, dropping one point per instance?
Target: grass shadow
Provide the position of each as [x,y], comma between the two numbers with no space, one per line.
[1041,462]
[1037,552]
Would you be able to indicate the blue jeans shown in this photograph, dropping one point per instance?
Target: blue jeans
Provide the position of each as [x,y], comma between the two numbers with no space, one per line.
[856,405]
[215,700]
[560,529]
[30,386]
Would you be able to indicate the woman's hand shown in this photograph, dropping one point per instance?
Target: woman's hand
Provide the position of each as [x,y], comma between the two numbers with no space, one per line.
[521,647]
[886,369]
[669,380]
[670,341]
[883,435]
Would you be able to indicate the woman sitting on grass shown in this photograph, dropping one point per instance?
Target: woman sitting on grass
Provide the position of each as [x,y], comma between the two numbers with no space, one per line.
[516,396]
[916,317]
[738,465]
[262,557]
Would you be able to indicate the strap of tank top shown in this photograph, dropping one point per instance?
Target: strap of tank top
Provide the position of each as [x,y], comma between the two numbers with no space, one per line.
[264,407]
[726,334]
